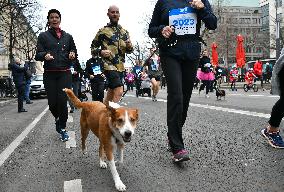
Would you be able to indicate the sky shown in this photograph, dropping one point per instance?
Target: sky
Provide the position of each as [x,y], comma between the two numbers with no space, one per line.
[83,20]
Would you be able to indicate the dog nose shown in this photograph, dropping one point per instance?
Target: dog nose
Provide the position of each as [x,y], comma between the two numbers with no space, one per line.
[127,134]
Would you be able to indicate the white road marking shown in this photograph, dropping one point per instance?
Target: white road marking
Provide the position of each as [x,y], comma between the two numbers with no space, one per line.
[256,95]
[73,186]
[11,148]
[274,96]
[248,113]
[242,112]
[70,119]
[71,143]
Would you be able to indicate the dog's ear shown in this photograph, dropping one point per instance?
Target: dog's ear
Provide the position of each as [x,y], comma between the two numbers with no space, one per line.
[111,111]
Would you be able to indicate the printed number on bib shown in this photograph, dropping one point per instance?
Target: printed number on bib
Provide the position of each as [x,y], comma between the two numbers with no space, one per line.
[72,69]
[184,20]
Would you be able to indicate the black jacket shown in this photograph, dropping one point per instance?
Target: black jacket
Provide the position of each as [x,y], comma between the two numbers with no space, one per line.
[76,67]
[90,65]
[188,46]
[59,48]
[203,61]
[18,74]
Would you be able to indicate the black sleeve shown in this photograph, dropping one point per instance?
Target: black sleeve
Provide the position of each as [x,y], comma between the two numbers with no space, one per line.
[89,68]
[40,49]
[207,16]
[155,27]
[72,45]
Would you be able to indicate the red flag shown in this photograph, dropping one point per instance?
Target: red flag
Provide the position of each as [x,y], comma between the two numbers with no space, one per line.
[214,54]
[240,52]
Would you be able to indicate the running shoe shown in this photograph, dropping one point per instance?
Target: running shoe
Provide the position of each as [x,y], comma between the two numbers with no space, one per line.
[181,155]
[57,126]
[64,135]
[274,139]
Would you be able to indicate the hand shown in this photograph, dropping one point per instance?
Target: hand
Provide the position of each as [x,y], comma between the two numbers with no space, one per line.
[75,72]
[48,57]
[92,76]
[72,55]
[105,53]
[167,31]
[128,43]
[197,4]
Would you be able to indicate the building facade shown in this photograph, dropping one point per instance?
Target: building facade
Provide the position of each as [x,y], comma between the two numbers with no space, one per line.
[234,20]
[16,37]
[273,22]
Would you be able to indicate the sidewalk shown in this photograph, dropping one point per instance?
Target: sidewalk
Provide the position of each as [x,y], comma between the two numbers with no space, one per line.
[6,100]
[240,85]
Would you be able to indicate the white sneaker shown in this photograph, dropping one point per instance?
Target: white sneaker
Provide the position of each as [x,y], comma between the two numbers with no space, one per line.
[206,96]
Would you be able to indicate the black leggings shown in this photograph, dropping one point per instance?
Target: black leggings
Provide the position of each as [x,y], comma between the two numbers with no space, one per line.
[207,84]
[54,82]
[277,112]
[180,76]
[98,90]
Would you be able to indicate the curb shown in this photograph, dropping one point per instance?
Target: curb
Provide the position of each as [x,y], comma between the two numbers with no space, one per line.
[2,103]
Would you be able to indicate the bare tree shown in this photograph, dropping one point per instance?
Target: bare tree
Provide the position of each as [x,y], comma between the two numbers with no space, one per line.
[19,22]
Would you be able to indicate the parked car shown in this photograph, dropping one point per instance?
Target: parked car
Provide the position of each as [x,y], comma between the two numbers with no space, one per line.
[37,86]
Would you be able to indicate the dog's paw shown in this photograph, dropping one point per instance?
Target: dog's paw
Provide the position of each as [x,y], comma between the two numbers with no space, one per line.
[120,186]
[103,165]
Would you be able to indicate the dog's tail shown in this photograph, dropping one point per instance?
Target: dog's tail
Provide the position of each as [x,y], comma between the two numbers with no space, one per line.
[77,103]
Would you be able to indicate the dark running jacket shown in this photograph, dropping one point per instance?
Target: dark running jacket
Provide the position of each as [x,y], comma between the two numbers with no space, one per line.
[59,48]
[188,46]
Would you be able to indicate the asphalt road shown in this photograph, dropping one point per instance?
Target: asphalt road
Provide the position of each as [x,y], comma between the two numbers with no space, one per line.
[227,150]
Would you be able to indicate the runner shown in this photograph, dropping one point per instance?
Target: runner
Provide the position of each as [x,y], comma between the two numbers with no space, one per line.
[57,50]
[233,78]
[179,51]
[112,42]
[155,71]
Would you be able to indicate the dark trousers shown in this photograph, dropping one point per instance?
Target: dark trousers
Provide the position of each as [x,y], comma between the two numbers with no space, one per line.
[21,95]
[75,88]
[207,84]
[180,76]
[54,82]
[277,112]
[98,90]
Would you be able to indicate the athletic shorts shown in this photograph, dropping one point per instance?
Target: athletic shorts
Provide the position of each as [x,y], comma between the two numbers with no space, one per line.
[114,78]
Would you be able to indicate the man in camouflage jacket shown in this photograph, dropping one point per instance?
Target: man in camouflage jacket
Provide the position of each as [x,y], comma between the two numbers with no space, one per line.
[112,42]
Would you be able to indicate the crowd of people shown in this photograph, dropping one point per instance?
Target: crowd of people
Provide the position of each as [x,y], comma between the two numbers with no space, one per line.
[176,61]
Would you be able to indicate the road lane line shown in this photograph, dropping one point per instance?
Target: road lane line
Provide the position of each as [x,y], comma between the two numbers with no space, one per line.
[70,119]
[11,148]
[71,143]
[73,186]
[256,95]
[248,113]
[242,112]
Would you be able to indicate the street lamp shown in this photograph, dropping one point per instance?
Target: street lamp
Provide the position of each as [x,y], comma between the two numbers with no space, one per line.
[277,40]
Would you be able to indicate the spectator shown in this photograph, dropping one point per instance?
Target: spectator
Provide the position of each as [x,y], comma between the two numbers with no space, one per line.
[18,74]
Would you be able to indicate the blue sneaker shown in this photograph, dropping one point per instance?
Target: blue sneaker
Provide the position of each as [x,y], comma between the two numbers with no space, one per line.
[57,126]
[274,139]
[64,135]
[181,155]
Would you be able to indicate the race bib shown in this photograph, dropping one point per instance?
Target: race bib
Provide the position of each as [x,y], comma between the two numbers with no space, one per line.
[72,69]
[154,65]
[184,20]
[97,70]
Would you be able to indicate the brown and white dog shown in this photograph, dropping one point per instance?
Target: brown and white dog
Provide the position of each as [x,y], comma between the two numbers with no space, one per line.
[113,125]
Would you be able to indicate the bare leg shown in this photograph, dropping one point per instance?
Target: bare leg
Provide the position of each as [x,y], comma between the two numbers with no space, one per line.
[117,94]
